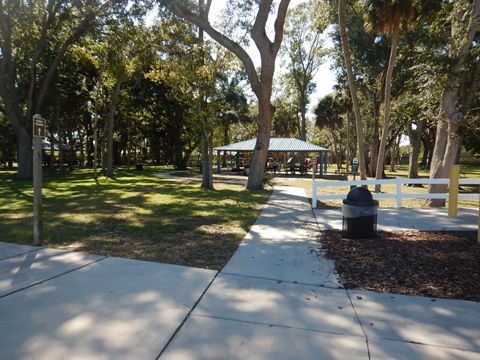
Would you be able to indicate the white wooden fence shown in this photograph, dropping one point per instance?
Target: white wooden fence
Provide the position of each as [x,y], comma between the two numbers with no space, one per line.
[398,195]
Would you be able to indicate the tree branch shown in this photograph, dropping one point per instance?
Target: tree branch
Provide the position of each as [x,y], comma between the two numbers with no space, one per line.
[279,24]
[47,21]
[207,8]
[7,72]
[82,27]
[183,12]
[6,68]
[259,34]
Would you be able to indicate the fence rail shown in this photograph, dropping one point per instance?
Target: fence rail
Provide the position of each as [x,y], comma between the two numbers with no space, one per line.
[398,195]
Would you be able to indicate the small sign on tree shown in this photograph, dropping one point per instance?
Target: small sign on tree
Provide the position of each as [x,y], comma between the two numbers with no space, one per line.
[39,126]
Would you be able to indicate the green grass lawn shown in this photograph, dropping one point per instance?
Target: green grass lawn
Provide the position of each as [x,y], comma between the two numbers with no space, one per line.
[466,171]
[134,215]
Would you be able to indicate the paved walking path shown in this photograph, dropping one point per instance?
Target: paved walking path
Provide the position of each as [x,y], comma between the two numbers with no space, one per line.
[70,305]
[391,219]
[277,298]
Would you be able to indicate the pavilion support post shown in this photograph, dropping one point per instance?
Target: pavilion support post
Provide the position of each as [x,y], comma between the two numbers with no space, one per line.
[321,163]
[218,161]
[325,162]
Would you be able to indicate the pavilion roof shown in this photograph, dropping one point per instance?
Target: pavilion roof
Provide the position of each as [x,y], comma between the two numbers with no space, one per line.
[276,144]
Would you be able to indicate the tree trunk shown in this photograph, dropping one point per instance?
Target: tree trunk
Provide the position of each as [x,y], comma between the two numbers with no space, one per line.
[413,159]
[25,155]
[387,107]
[303,122]
[259,157]
[414,137]
[52,150]
[225,141]
[61,157]
[207,176]
[395,154]
[155,147]
[111,123]
[375,140]
[261,84]
[426,152]
[353,91]
[447,143]
[95,135]
[336,151]
[205,143]
[393,158]
[436,168]
[348,159]
[465,24]
[129,143]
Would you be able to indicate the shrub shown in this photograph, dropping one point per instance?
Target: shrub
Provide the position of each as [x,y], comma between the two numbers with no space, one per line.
[268,179]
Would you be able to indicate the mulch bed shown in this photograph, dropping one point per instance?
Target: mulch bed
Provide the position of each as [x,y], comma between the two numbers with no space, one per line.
[433,264]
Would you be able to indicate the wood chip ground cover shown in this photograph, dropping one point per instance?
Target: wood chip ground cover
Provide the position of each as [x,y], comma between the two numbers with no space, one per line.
[433,264]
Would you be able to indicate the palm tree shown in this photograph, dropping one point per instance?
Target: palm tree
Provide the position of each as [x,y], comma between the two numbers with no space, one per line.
[387,17]
[353,92]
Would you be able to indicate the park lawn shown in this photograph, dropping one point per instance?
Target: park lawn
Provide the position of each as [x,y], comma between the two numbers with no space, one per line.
[466,171]
[135,215]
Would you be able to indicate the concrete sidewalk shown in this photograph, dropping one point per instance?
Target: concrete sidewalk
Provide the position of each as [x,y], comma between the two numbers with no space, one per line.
[391,219]
[277,299]
[70,305]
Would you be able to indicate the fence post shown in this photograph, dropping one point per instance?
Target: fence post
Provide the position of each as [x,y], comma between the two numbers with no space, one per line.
[398,185]
[314,194]
[453,191]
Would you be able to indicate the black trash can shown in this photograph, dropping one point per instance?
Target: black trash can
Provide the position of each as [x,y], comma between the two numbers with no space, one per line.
[359,212]
[139,167]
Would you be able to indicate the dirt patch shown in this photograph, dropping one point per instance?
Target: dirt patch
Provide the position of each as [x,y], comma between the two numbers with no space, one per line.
[209,251]
[434,264]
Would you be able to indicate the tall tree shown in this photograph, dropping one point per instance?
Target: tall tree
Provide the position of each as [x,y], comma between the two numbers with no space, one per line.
[329,114]
[387,16]
[261,81]
[304,51]
[34,37]
[234,105]
[285,122]
[351,83]
[369,57]
[464,28]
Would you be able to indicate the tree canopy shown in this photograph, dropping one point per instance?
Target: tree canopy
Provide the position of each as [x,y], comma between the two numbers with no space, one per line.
[164,82]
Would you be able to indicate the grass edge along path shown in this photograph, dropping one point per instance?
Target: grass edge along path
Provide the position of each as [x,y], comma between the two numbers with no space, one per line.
[134,215]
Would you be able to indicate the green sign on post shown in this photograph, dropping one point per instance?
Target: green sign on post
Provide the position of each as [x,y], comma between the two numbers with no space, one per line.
[355,166]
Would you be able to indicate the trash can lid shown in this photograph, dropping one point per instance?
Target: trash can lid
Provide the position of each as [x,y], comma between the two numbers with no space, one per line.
[360,196]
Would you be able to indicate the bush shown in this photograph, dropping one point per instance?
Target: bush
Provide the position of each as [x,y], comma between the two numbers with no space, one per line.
[268,179]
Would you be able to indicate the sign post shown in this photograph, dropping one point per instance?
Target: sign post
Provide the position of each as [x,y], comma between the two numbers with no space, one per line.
[39,132]
[354,167]
[354,170]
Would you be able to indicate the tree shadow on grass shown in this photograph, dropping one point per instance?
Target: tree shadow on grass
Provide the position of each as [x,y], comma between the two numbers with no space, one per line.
[138,216]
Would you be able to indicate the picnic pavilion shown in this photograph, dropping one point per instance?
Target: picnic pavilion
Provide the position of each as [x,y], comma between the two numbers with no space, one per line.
[286,146]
